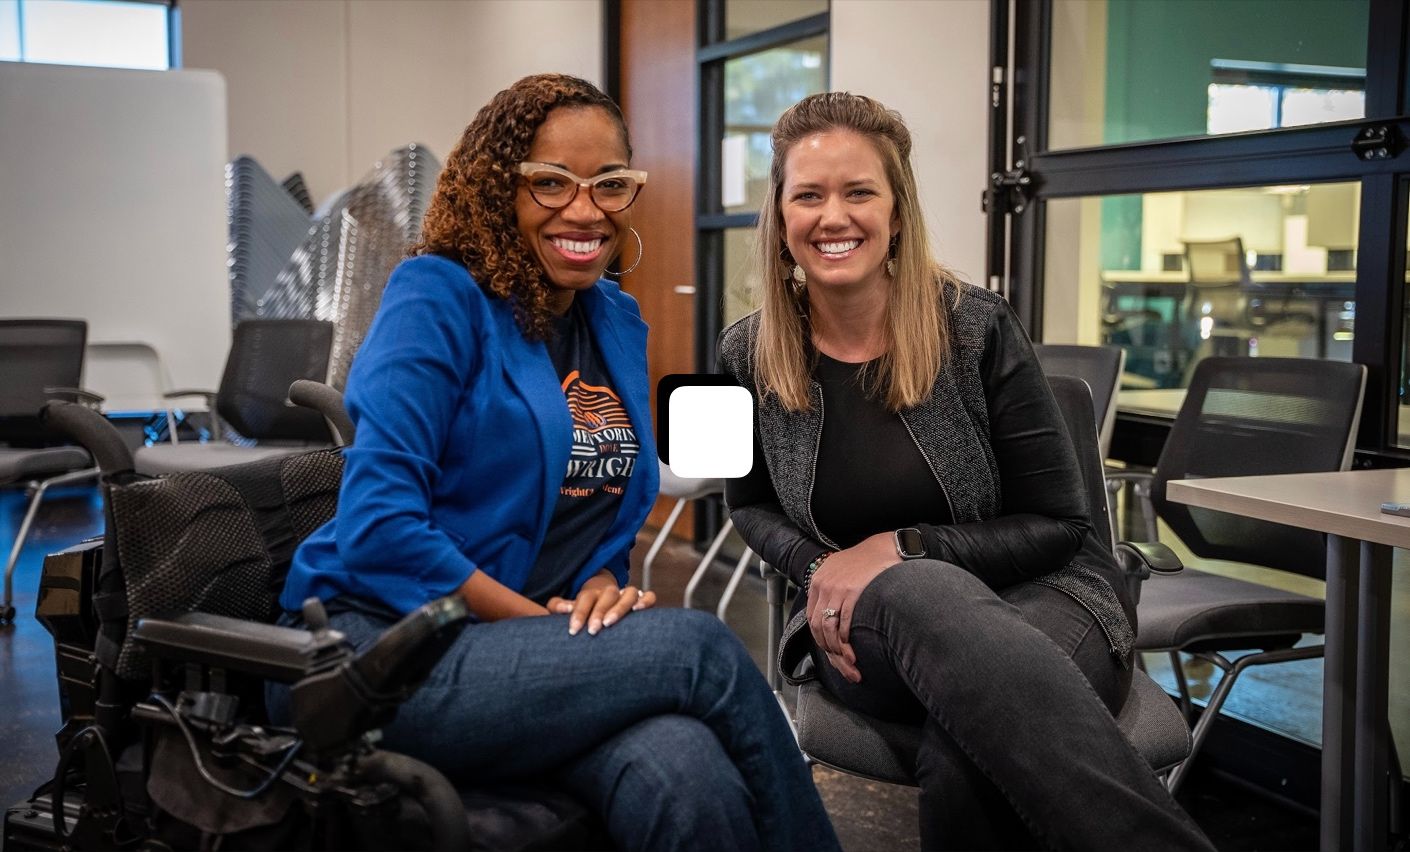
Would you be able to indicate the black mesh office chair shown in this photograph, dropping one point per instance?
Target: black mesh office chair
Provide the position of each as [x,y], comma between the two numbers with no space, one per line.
[1244,417]
[39,359]
[266,356]
[835,735]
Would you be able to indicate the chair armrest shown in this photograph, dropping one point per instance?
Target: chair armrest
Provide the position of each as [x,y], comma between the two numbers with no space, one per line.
[1140,559]
[1145,558]
[207,395]
[283,654]
[83,397]
[1136,477]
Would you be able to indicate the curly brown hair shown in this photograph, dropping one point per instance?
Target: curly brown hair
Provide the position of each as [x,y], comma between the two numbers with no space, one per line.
[471,216]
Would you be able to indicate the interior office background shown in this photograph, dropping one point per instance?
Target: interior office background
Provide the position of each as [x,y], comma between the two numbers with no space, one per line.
[326,87]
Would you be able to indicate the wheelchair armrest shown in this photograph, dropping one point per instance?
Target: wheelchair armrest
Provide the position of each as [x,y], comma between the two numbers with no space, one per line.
[282,654]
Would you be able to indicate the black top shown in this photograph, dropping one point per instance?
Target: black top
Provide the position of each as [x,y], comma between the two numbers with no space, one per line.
[871,476]
[604,454]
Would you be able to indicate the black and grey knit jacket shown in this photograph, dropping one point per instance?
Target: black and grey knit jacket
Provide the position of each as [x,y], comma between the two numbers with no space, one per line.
[952,429]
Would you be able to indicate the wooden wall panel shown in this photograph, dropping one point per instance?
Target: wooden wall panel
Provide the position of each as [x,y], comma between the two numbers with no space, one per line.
[658,100]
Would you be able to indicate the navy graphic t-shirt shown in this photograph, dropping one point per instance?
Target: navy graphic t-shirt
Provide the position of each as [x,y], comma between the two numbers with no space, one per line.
[604,454]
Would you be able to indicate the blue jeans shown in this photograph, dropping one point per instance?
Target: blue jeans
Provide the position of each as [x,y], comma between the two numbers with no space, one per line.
[661,723]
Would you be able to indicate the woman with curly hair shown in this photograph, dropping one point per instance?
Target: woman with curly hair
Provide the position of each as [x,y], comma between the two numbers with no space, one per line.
[504,450]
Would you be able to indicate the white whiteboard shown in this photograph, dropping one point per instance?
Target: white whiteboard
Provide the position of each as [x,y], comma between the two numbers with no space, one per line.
[112,209]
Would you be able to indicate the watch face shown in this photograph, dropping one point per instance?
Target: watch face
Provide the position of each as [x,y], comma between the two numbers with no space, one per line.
[909,543]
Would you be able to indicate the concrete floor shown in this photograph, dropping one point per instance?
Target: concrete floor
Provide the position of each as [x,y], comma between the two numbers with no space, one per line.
[868,815]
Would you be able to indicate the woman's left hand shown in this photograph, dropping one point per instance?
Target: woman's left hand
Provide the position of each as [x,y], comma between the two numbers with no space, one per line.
[600,604]
[834,589]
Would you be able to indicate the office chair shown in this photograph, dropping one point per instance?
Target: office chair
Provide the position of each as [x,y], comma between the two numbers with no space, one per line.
[266,356]
[834,735]
[164,638]
[1100,367]
[39,358]
[1216,300]
[1244,417]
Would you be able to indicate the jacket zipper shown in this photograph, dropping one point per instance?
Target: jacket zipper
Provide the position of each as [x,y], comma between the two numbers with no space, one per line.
[813,476]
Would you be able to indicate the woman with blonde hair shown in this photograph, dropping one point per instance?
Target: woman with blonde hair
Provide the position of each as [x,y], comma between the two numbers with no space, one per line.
[504,454]
[914,478]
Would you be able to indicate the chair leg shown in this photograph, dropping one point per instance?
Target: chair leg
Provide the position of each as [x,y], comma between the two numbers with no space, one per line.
[1221,693]
[1178,668]
[733,584]
[7,609]
[661,538]
[706,562]
[1143,491]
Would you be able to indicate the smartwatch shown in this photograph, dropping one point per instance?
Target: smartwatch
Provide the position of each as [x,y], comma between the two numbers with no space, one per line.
[909,544]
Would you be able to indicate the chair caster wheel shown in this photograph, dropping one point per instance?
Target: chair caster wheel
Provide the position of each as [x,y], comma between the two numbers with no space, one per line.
[7,615]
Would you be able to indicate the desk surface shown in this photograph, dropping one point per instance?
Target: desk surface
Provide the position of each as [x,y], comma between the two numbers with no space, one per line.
[1345,503]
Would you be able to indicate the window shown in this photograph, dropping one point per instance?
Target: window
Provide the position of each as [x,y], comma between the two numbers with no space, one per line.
[756,60]
[1266,96]
[108,33]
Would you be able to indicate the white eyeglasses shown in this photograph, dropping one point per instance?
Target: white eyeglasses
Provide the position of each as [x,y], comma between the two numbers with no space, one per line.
[555,187]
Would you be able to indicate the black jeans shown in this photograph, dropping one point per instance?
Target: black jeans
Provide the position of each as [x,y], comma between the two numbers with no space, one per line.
[1016,693]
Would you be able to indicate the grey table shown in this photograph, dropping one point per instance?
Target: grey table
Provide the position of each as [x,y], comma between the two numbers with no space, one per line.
[1355,729]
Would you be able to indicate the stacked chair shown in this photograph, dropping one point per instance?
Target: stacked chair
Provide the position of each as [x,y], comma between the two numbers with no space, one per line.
[267,222]
[338,271]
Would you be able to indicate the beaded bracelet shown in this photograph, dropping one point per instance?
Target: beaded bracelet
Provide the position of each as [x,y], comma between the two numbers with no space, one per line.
[813,567]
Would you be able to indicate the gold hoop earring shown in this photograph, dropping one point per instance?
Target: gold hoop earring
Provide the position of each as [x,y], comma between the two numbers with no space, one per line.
[640,250]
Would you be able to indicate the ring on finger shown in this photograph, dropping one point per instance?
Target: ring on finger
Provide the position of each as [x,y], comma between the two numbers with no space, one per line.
[831,613]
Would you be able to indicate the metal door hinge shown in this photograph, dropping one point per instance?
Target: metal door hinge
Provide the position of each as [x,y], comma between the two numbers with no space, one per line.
[1010,191]
[1378,142]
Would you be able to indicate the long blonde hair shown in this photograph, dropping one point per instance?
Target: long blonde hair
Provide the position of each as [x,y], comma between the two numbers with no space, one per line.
[917,328]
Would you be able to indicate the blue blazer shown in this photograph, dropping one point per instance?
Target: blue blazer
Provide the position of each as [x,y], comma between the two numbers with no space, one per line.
[463,436]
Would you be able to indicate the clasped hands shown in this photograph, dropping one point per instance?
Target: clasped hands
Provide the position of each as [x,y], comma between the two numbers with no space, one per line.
[600,604]
[835,587]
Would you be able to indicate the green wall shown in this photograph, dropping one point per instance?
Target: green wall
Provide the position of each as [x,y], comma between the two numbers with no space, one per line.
[1158,72]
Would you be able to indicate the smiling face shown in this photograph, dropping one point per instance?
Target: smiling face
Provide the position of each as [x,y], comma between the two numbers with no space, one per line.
[838,210]
[574,243]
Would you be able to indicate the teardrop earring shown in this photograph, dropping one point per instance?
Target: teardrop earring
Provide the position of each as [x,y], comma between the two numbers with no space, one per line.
[799,276]
[891,256]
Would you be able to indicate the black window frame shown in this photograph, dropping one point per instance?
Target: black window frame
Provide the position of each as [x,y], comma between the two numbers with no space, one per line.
[1320,152]
[711,220]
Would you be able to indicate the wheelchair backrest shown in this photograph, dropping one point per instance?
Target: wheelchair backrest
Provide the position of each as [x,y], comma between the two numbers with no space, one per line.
[217,541]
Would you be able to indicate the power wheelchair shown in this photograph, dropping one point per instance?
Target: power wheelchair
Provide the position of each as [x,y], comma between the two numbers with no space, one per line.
[164,643]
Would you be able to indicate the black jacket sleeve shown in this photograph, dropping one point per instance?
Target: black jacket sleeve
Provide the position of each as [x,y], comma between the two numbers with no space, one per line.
[1043,516]
[755,509]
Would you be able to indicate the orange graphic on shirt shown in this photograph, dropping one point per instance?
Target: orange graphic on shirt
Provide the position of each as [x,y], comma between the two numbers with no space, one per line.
[593,408]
